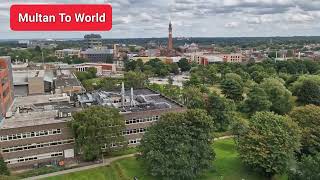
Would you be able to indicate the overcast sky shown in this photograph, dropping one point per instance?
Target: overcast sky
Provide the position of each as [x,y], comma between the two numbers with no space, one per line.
[196,18]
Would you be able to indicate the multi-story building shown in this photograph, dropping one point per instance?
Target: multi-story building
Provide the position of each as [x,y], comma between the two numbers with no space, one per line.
[6,86]
[53,79]
[233,58]
[102,68]
[67,53]
[103,55]
[204,58]
[141,108]
[93,40]
[37,133]
[32,82]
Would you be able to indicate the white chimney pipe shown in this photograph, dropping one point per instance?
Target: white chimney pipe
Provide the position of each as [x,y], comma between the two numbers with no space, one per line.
[132,104]
[122,94]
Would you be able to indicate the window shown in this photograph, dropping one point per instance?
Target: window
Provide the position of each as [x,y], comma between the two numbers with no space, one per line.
[134,141]
[142,120]
[36,146]
[29,135]
[134,131]
[33,158]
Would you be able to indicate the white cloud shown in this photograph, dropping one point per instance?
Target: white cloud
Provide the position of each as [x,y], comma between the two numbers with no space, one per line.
[140,18]
[232,25]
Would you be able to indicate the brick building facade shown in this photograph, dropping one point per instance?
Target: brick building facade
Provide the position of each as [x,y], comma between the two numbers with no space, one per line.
[36,144]
[6,85]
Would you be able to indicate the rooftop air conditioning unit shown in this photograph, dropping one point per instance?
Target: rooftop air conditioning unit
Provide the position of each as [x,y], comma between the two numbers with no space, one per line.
[9,114]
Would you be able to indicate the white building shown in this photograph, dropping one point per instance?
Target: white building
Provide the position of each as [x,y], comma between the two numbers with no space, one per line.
[67,53]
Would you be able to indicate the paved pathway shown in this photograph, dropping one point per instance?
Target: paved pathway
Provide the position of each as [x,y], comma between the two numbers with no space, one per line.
[223,137]
[106,162]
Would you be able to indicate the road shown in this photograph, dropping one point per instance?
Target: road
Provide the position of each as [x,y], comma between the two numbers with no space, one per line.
[106,162]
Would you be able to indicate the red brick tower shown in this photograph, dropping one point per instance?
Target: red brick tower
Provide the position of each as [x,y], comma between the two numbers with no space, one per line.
[170,40]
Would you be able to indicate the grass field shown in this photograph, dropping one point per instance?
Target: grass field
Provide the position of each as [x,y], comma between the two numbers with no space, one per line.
[226,166]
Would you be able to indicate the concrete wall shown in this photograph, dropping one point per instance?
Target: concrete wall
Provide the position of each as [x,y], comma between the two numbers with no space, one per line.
[20,90]
[36,85]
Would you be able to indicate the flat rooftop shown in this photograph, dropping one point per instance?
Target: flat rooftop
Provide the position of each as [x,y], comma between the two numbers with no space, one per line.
[39,99]
[38,110]
[32,119]
[142,100]
[21,77]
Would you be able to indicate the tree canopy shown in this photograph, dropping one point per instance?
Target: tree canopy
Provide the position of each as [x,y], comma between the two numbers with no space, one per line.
[95,128]
[308,119]
[278,95]
[221,110]
[232,89]
[3,167]
[257,100]
[184,65]
[179,145]
[193,98]
[135,79]
[307,89]
[268,143]
[307,168]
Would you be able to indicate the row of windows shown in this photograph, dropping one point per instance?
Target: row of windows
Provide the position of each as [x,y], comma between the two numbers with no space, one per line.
[142,120]
[134,131]
[64,114]
[30,135]
[134,141]
[36,146]
[130,142]
[34,158]
[113,145]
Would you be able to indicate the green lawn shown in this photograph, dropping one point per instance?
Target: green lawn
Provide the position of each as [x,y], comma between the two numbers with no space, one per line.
[227,166]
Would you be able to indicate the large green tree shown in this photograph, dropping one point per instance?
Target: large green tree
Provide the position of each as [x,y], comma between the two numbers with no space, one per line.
[97,127]
[307,168]
[268,143]
[278,95]
[90,73]
[159,68]
[135,79]
[222,110]
[193,97]
[308,119]
[184,65]
[232,89]
[3,167]
[307,89]
[234,76]
[179,145]
[174,68]
[257,100]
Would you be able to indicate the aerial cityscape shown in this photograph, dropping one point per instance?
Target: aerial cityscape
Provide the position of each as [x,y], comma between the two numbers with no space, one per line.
[152,107]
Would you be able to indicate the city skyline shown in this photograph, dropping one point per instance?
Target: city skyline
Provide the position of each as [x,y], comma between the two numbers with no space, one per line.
[190,18]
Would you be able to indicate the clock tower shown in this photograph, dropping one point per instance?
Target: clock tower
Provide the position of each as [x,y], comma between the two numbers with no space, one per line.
[170,40]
